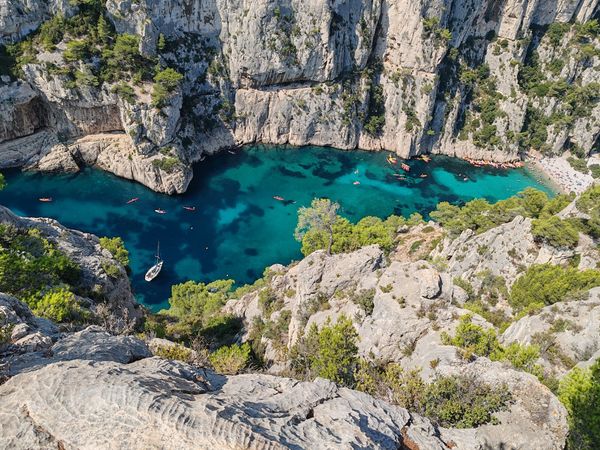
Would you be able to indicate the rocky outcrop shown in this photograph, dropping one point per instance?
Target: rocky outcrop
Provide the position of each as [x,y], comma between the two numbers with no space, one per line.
[84,249]
[568,332]
[93,404]
[413,303]
[79,388]
[20,17]
[501,251]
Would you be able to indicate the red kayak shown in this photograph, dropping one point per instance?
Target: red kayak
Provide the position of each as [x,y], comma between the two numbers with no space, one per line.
[190,208]
[279,198]
[160,211]
[133,200]
[45,199]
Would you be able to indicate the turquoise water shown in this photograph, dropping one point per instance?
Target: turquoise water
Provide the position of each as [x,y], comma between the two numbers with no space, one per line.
[238,229]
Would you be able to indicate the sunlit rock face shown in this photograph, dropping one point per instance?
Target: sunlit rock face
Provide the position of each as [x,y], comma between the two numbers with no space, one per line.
[374,75]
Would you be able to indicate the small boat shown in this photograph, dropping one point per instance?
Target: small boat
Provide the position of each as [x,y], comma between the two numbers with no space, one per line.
[405,167]
[45,199]
[279,198]
[356,183]
[425,158]
[190,208]
[160,211]
[133,200]
[391,159]
[156,268]
[423,175]
[232,152]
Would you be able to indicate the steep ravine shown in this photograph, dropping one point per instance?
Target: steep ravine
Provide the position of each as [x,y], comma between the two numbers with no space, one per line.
[480,79]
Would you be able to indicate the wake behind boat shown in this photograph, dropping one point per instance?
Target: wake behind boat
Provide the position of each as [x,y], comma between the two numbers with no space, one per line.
[156,268]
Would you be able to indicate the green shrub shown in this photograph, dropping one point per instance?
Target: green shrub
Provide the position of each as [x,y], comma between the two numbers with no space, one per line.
[168,164]
[165,82]
[30,264]
[125,91]
[450,401]
[330,352]
[479,215]
[116,247]
[112,270]
[58,305]
[472,338]
[344,236]
[555,231]
[231,360]
[269,302]
[579,391]
[546,284]
[578,164]
[198,299]
[364,299]
[76,51]
[175,351]
[463,402]
[475,340]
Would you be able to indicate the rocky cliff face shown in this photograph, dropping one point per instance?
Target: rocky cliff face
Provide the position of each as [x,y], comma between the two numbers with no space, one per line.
[85,389]
[481,79]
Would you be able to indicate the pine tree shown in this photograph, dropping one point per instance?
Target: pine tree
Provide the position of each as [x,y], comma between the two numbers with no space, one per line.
[103,29]
[161,42]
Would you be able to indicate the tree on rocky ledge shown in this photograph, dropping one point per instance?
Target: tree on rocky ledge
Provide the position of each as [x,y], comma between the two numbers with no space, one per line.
[2,182]
[321,216]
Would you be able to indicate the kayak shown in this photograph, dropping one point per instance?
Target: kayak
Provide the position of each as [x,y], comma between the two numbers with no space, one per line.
[160,211]
[133,200]
[391,159]
[405,167]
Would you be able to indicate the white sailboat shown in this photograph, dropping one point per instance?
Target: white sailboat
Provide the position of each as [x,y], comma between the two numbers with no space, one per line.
[156,268]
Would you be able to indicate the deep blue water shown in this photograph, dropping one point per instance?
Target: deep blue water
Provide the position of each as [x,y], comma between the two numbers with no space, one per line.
[238,229]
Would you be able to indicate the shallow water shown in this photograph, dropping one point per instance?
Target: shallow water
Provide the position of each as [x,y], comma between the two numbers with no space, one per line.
[238,229]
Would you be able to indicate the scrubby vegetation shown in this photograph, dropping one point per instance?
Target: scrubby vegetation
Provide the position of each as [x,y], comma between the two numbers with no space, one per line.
[580,393]
[36,272]
[116,247]
[175,351]
[456,401]
[167,164]
[555,231]
[231,360]
[320,228]
[479,215]
[450,401]
[546,284]
[475,340]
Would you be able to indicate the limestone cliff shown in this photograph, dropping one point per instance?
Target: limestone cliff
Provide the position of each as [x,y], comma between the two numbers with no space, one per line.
[472,78]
